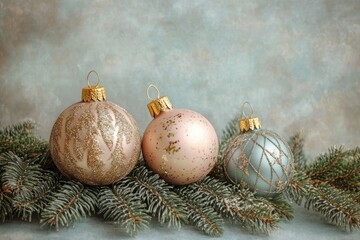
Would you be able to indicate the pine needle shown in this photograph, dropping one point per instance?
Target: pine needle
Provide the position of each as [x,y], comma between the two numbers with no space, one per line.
[239,205]
[205,219]
[20,176]
[253,214]
[329,185]
[160,200]
[296,144]
[335,205]
[5,203]
[20,139]
[71,202]
[119,204]
[210,192]
[281,207]
[28,203]
[298,188]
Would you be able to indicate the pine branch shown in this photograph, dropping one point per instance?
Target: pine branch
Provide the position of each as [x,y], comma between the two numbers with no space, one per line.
[211,192]
[119,204]
[24,128]
[356,197]
[346,174]
[28,203]
[205,204]
[205,218]
[71,202]
[329,185]
[335,205]
[20,176]
[252,213]
[5,203]
[298,188]
[238,204]
[45,161]
[160,200]
[326,163]
[281,207]
[296,144]
[21,140]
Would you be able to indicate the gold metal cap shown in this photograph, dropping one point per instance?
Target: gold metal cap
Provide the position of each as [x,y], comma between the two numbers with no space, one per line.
[93,93]
[158,105]
[248,123]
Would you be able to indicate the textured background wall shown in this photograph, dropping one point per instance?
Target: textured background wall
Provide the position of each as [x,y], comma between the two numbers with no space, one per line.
[297,62]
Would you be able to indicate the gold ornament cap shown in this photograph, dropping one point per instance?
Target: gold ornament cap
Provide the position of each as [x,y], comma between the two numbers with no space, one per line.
[93,93]
[158,105]
[248,123]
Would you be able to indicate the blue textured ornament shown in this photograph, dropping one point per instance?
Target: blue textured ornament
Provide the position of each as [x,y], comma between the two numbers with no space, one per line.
[258,159]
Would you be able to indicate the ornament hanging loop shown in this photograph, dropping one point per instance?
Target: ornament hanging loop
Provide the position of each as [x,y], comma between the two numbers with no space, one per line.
[248,105]
[156,89]
[158,105]
[88,78]
[248,121]
[93,93]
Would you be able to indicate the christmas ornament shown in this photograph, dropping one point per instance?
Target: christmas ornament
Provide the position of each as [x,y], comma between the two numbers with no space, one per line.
[258,158]
[178,144]
[95,141]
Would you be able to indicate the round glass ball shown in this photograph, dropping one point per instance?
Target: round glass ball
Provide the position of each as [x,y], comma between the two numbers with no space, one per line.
[261,160]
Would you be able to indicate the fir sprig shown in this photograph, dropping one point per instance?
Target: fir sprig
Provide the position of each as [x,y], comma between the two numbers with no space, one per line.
[335,205]
[119,204]
[20,176]
[212,192]
[235,203]
[298,188]
[203,211]
[254,214]
[27,204]
[161,201]
[21,140]
[281,207]
[205,218]
[328,185]
[296,144]
[338,168]
[71,202]
[5,203]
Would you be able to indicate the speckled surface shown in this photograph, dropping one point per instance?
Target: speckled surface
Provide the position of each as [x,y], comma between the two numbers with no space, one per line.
[297,62]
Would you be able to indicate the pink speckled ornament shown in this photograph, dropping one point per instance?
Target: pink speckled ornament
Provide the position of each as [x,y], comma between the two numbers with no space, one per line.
[95,141]
[180,145]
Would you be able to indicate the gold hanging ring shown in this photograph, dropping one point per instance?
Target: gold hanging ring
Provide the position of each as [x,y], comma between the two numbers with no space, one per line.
[88,78]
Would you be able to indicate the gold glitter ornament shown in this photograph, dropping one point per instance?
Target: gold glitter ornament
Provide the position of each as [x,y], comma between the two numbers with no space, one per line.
[258,158]
[95,141]
[180,145]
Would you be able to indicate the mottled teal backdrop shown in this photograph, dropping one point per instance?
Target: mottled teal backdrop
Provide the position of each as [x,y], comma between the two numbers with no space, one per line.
[297,62]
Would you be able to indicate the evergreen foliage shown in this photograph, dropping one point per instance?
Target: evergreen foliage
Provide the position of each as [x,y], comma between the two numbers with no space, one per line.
[120,205]
[329,185]
[5,203]
[160,200]
[68,204]
[31,185]
[20,139]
